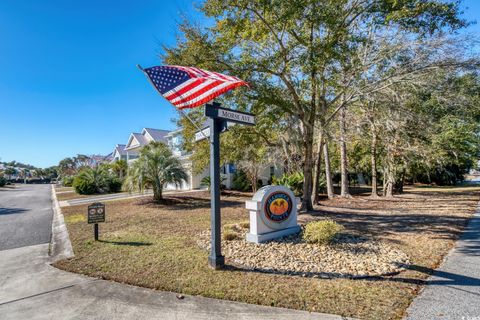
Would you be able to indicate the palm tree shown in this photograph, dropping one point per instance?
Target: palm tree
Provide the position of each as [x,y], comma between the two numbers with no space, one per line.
[120,167]
[91,180]
[155,167]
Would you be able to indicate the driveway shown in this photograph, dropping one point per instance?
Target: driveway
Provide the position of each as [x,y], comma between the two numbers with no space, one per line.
[25,215]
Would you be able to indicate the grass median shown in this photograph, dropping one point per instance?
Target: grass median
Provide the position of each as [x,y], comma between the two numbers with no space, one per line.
[154,245]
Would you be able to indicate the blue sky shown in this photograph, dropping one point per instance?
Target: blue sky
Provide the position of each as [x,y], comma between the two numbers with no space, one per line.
[68,80]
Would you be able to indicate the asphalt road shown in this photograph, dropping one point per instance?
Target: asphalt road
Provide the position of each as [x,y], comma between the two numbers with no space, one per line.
[25,215]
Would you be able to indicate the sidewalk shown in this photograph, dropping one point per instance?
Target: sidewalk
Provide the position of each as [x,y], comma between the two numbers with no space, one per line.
[453,291]
[117,196]
[32,289]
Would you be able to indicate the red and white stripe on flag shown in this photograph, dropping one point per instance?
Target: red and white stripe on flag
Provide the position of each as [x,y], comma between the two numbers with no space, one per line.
[190,87]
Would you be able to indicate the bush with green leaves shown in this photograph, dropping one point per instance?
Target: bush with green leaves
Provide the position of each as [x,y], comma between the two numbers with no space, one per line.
[293,181]
[67,181]
[96,180]
[205,182]
[84,185]
[321,232]
[114,184]
[3,181]
[240,181]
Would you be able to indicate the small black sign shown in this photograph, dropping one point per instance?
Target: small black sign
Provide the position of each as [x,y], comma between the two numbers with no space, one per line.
[96,213]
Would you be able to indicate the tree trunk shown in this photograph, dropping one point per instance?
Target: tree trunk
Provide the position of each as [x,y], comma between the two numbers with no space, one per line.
[309,126]
[384,188]
[254,181]
[389,186]
[328,172]
[307,170]
[318,164]
[373,155]
[390,174]
[401,182]
[157,193]
[343,155]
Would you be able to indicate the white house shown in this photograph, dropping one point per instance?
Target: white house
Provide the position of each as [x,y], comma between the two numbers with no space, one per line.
[119,153]
[138,140]
[173,139]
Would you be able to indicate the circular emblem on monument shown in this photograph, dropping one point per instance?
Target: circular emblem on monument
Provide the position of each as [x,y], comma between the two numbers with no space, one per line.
[278,206]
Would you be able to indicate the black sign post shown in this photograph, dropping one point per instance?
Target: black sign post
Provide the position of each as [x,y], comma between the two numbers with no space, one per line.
[218,118]
[96,214]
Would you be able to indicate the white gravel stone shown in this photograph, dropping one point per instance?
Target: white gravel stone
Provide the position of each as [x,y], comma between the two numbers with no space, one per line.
[348,256]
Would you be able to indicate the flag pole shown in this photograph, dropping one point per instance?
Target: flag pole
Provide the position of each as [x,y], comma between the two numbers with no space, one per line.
[179,110]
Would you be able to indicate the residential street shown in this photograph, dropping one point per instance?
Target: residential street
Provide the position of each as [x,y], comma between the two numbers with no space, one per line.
[25,215]
[32,289]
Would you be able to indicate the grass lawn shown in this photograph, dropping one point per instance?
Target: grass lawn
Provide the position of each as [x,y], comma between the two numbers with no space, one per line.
[70,195]
[63,189]
[153,245]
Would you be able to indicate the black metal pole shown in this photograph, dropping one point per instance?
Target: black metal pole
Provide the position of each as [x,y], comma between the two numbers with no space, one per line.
[95,231]
[215,260]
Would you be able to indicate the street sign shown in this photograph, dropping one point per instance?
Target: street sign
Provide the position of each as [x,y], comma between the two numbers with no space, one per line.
[96,214]
[205,132]
[214,111]
[218,119]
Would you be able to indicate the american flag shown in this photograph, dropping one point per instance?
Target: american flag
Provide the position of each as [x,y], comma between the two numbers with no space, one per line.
[189,87]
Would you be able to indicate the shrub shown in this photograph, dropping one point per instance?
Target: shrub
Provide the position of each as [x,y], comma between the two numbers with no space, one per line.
[245,224]
[293,181]
[3,181]
[83,185]
[321,232]
[98,180]
[115,184]
[240,181]
[230,235]
[67,181]
[205,182]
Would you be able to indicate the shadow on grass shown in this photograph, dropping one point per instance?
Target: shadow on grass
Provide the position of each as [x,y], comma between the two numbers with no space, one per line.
[127,243]
[441,278]
[320,275]
[182,203]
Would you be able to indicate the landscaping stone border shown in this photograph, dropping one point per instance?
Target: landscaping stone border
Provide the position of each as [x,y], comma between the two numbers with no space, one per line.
[349,256]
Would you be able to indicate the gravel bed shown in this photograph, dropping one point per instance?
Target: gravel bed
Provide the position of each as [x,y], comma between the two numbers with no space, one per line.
[349,256]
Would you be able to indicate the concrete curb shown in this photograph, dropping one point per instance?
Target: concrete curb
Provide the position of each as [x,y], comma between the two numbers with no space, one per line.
[60,245]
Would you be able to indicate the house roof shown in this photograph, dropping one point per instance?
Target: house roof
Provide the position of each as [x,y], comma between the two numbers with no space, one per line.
[109,157]
[139,141]
[120,148]
[147,135]
[155,134]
